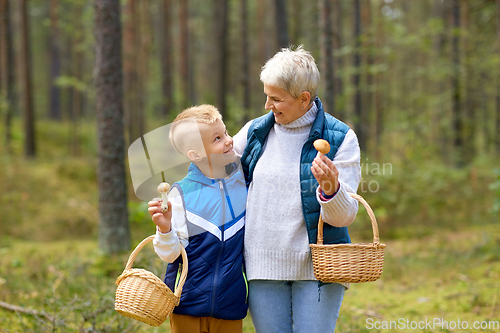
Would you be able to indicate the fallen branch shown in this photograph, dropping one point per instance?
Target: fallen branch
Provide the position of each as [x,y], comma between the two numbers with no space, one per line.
[20,309]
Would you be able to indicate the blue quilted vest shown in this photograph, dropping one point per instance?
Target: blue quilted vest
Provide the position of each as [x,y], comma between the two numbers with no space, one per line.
[325,127]
[215,213]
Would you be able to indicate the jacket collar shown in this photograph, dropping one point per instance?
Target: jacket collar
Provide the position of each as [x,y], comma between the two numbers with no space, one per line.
[194,174]
[317,126]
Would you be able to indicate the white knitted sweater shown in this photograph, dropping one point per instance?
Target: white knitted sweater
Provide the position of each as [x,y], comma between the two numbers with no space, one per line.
[276,242]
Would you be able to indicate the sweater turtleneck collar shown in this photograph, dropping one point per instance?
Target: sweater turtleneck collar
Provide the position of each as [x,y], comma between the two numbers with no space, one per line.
[306,120]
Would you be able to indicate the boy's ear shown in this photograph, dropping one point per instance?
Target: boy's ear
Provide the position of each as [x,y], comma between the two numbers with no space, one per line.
[194,156]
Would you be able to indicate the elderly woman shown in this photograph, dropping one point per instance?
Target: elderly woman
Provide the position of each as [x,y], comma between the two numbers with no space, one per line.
[284,199]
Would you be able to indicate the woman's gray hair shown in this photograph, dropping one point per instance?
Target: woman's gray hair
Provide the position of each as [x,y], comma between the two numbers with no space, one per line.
[294,70]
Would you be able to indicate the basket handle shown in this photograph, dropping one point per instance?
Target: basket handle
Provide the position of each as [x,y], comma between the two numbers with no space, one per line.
[133,255]
[376,239]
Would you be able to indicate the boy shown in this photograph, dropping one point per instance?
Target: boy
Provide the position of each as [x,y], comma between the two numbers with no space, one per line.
[207,216]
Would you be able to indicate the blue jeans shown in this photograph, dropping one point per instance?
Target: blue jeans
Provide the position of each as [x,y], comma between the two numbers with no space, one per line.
[294,306]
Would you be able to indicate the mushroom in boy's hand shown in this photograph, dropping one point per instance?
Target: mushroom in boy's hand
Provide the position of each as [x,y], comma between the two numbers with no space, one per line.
[163,188]
[322,146]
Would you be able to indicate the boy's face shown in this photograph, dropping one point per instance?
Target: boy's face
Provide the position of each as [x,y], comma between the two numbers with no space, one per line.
[218,144]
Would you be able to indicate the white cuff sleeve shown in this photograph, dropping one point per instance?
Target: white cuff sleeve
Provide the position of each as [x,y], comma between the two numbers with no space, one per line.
[168,246]
[341,210]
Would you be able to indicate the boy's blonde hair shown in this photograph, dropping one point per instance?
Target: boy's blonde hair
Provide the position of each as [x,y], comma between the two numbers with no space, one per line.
[184,132]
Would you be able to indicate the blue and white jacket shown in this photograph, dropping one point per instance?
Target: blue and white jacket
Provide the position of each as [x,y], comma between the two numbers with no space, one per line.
[215,219]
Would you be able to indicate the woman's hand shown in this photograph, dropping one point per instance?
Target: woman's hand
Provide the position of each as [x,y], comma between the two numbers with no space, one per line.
[162,220]
[326,174]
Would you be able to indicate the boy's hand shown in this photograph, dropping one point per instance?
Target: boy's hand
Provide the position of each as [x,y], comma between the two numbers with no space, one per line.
[326,174]
[162,220]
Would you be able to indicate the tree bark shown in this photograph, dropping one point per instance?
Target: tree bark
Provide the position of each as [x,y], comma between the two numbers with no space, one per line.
[326,52]
[368,109]
[77,66]
[497,131]
[167,105]
[338,61]
[114,234]
[281,23]
[245,61]
[471,83]
[130,68]
[184,60]
[296,21]
[27,95]
[358,112]
[7,67]
[55,63]
[221,28]
[379,83]
[457,122]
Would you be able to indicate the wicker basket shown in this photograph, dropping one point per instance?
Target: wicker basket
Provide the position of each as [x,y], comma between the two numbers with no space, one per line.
[143,296]
[348,263]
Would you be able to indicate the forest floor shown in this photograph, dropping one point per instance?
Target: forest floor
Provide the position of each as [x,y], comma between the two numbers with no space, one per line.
[450,276]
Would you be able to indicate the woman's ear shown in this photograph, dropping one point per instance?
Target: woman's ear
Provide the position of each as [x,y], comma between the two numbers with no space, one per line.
[305,99]
[194,156]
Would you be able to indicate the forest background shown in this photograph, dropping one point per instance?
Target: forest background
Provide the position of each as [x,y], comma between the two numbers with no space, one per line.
[418,80]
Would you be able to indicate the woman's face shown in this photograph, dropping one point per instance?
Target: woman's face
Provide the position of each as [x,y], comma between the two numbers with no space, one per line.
[285,108]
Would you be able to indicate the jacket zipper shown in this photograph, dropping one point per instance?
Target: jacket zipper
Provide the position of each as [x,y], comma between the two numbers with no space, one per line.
[217,263]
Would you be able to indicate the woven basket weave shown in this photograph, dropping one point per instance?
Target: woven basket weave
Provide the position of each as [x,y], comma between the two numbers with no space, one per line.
[141,295]
[348,263]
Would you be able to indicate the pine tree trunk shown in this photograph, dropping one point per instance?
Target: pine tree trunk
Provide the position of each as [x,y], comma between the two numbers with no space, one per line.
[326,53]
[439,129]
[221,28]
[379,85]
[114,234]
[167,105]
[144,33]
[245,61]
[3,48]
[471,81]
[457,122]
[27,95]
[296,21]
[55,63]
[11,65]
[6,68]
[370,61]
[338,61]
[77,71]
[130,64]
[184,60]
[281,22]
[497,130]
[359,121]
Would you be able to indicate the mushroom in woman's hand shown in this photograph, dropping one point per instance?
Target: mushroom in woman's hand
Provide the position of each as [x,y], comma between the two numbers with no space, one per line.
[322,146]
[163,188]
